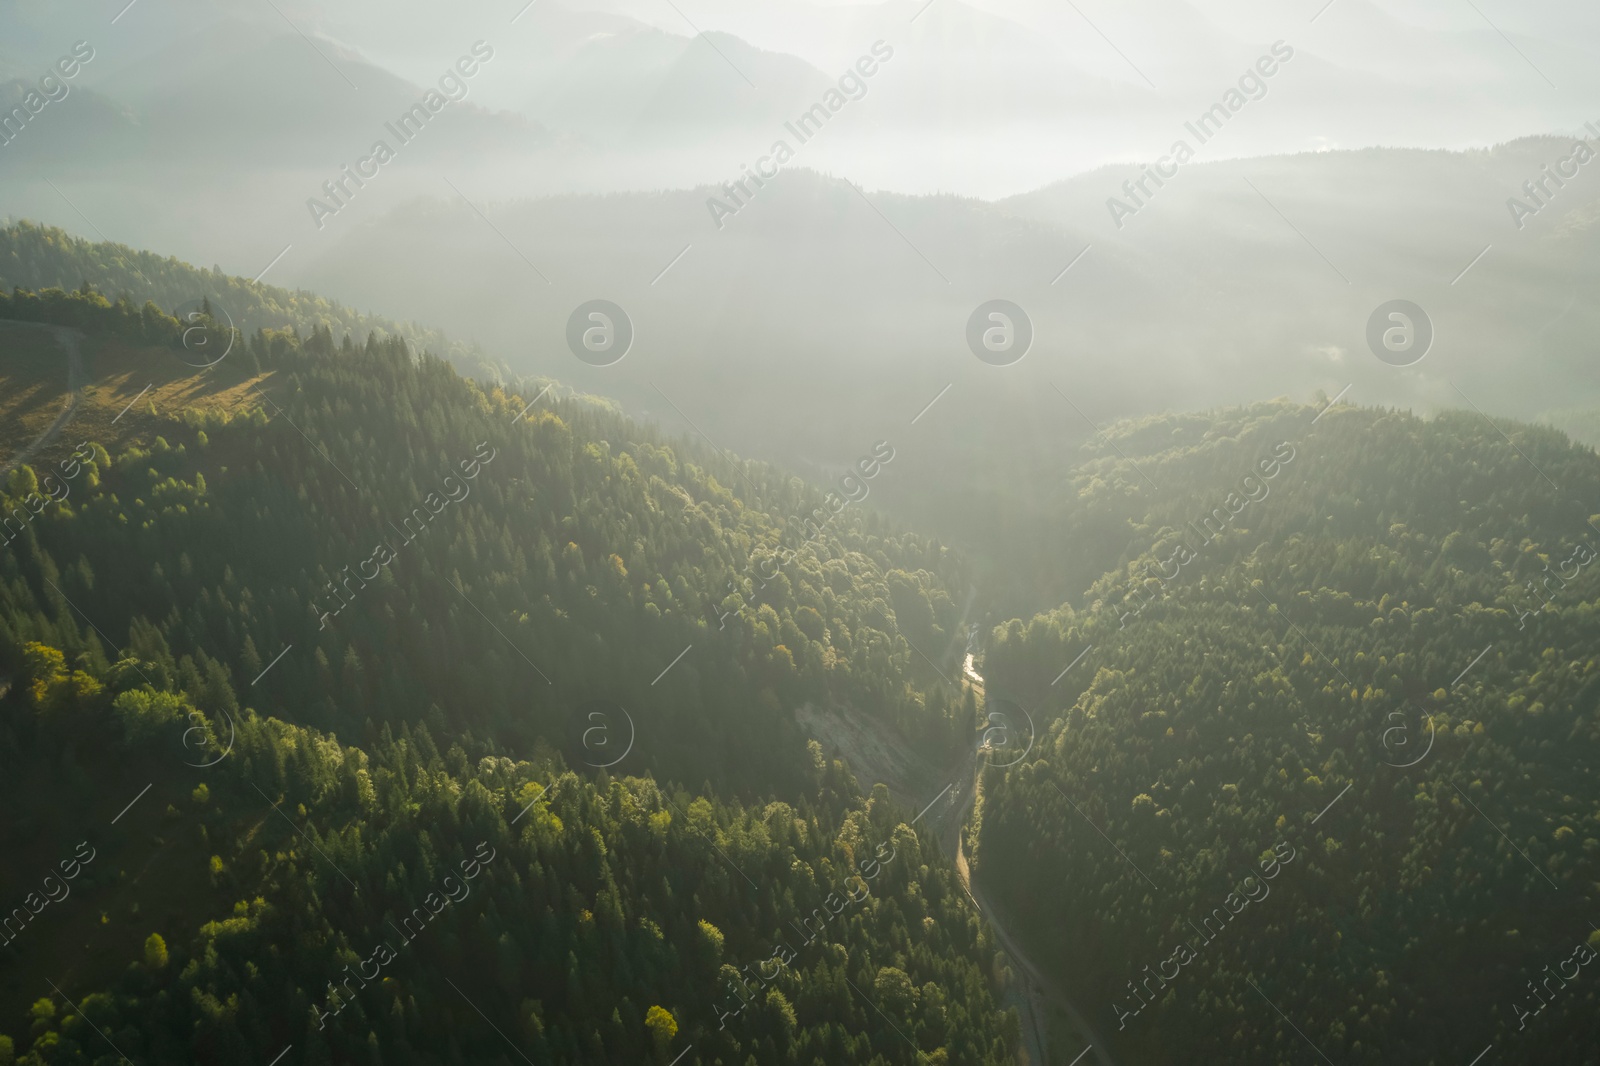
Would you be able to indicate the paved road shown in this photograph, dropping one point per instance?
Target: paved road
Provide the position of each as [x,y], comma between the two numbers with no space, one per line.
[68,338]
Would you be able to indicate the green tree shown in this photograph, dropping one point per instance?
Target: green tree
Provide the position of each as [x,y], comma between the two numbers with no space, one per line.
[662,1025]
[155,952]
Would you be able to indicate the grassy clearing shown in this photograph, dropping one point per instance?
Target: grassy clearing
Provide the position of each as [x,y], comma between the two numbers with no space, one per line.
[33,384]
[158,385]
[119,373]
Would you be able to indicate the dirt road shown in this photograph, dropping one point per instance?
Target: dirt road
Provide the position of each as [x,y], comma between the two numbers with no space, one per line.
[1038,991]
[68,338]
[878,753]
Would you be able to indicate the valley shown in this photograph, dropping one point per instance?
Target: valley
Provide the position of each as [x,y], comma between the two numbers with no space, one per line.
[851,727]
[865,533]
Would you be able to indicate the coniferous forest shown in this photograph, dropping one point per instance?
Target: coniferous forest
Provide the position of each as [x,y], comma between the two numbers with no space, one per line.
[437,702]
[850,533]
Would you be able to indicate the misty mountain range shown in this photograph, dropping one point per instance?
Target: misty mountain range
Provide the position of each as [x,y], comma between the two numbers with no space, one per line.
[1089,457]
[583,160]
[629,96]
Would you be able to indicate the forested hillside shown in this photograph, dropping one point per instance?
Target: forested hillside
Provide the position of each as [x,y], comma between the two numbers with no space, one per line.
[404,905]
[1329,761]
[379,703]
[429,549]
[799,533]
[36,258]
[350,635]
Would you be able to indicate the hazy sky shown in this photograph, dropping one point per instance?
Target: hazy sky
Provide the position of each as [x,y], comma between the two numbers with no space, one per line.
[983,98]
[211,130]
[1052,88]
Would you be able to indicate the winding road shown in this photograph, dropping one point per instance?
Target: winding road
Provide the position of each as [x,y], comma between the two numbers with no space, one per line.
[68,338]
[1038,990]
